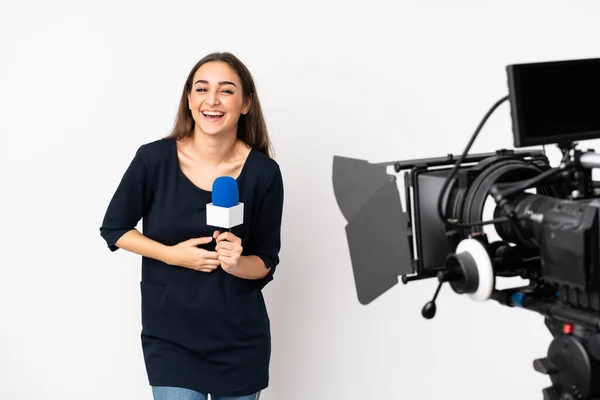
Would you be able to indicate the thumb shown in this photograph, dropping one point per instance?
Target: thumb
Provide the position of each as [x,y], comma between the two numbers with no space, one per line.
[197,241]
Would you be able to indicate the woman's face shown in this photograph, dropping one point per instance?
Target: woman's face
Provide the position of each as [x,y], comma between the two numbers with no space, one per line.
[216,99]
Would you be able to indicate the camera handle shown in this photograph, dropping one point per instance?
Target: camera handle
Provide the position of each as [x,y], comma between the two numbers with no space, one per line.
[430,308]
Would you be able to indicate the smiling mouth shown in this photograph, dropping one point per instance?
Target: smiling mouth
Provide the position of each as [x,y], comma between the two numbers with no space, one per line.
[213,115]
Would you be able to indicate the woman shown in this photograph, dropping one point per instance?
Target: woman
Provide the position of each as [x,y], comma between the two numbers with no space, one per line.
[205,328]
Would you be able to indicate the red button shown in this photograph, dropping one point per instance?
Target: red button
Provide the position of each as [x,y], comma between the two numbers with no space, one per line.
[567,329]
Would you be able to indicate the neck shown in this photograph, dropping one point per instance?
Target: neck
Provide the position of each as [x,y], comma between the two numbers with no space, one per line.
[214,149]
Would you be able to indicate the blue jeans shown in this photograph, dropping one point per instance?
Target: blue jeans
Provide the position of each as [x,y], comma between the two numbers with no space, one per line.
[175,393]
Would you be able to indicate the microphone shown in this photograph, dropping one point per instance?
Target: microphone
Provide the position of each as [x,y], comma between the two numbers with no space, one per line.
[225,211]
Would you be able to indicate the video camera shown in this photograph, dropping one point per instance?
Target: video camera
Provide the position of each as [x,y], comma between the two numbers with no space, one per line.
[547,219]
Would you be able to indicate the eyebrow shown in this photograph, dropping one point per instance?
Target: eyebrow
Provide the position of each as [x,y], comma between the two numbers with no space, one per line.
[220,83]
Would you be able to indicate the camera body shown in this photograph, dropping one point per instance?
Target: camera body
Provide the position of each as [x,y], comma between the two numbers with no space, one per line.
[546,219]
[553,237]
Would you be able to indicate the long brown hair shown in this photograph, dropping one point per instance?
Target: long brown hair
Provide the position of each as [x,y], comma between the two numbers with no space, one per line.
[252,128]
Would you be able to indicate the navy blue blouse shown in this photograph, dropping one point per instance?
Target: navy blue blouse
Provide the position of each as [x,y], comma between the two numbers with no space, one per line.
[208,332]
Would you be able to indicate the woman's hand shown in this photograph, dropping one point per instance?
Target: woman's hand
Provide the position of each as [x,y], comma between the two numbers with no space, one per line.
[229,250]
[188,255]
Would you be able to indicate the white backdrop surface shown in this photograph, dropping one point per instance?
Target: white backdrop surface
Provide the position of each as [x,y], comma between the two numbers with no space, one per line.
[83,84]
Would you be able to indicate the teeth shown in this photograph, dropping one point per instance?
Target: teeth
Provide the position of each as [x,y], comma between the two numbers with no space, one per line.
[213,113]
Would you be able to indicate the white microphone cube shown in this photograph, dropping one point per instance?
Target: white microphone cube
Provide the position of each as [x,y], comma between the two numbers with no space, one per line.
[224,217]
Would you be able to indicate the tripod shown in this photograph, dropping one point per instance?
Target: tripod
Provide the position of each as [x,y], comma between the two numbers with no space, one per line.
[572,363]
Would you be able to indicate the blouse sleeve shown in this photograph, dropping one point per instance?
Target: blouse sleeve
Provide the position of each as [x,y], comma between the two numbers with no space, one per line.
[265,239]
[130,201]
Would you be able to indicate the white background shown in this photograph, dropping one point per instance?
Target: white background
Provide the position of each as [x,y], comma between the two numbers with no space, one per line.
[83,84]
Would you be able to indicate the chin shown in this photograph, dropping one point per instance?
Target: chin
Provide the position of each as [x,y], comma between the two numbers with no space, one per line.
[214,130]
[211,132]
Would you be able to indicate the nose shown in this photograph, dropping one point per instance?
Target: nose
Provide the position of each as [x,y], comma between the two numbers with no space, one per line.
[212,98]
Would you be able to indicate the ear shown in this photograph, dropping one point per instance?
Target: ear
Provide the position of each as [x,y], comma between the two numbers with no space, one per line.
[189,102]
[247,104]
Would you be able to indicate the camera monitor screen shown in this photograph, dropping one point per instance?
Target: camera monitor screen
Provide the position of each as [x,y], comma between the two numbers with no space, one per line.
[554,102]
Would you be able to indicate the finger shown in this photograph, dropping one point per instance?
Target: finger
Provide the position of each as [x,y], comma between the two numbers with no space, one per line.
[225,253]
[210,262]
[228,236]
[208,266]
[201,267]
[208,254]
[216,234]
[198,241]
[229,261]
[228,246]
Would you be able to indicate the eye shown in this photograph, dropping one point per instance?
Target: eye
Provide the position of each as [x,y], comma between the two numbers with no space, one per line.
[227,91]
[201,89]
